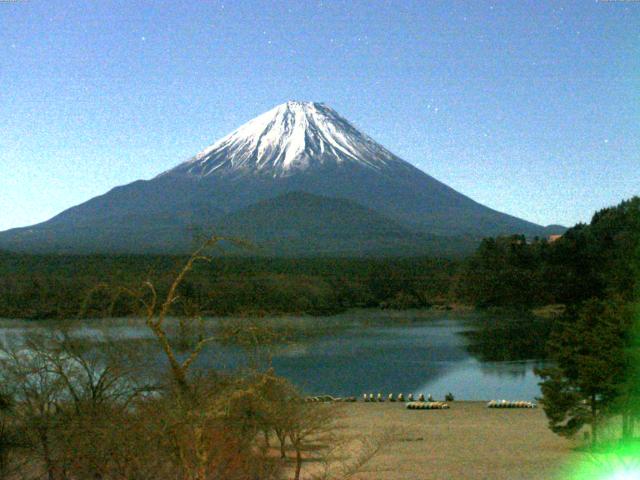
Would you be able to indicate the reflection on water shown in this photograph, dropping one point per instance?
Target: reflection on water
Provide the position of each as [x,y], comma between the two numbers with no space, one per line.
[361,352]
[472,380]
[508,338]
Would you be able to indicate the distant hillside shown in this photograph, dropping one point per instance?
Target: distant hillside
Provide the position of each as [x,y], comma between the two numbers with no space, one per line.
[301,224]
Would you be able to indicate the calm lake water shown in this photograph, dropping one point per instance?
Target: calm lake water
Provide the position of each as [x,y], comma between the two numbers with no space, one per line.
[358,352]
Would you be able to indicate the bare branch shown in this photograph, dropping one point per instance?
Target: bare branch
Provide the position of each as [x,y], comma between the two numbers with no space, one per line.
[196,351]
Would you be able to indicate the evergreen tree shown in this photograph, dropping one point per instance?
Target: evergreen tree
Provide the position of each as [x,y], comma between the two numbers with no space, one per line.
[590,352]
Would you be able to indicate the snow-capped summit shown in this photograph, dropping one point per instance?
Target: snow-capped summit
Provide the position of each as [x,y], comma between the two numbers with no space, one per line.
[288,139]
[296,180]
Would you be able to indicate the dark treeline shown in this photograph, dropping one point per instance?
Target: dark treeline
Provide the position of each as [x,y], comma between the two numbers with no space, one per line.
[588,261]
[49,286]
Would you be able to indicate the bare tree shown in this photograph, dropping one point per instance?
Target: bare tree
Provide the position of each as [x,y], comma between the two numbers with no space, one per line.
[39,394]
[67,392]
[310,426]
[195,428]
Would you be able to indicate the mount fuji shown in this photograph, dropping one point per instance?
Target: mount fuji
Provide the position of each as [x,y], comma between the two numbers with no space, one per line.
[296,180]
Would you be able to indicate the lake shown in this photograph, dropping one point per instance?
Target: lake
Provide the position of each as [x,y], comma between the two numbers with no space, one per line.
[359,352]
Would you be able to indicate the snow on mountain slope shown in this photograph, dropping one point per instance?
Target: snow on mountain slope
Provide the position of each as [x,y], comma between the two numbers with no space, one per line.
[291,138]
[296,148]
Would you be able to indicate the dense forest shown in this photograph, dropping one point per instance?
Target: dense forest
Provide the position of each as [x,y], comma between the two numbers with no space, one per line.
[588,261]
[33,286]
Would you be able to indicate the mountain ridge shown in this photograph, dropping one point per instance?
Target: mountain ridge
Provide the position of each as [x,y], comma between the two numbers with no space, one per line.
[295,147]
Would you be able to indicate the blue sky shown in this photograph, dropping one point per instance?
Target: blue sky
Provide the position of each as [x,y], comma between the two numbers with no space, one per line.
[530,107]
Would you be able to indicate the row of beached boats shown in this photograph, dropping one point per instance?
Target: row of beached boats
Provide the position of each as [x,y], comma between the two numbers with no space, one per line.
[509,404]
[421,403]
[399,398]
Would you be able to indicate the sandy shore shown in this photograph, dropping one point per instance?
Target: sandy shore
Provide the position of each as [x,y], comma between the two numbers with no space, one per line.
[468,441]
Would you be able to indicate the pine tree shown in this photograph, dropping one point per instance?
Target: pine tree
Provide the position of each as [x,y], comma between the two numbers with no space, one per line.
[590,351]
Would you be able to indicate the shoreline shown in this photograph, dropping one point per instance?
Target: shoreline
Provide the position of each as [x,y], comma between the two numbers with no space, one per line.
[546,311]
[467,441]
